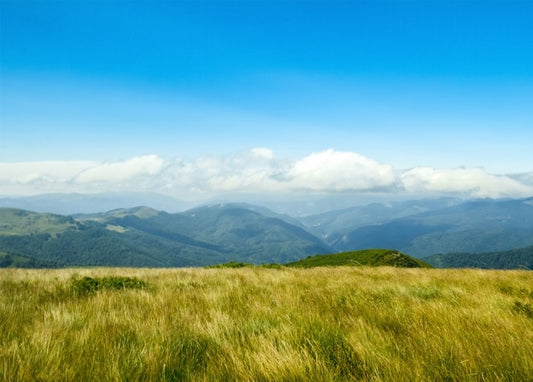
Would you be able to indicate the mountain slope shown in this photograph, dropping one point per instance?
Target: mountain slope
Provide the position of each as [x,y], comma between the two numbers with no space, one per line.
[476,226]
[521,258]
[369,257]
[233,230]
[340,222]
[20,222]
[145,237]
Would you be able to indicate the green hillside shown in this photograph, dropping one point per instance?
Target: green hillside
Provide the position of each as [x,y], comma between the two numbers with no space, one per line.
[21,222]
[521,258]
[369,257]
[145,237]
[140,212]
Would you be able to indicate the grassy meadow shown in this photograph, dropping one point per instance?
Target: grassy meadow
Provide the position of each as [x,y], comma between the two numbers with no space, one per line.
[263,324]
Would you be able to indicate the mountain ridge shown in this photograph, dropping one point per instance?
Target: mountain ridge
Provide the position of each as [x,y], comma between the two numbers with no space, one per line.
[142,236]
[473,226]
[221,232]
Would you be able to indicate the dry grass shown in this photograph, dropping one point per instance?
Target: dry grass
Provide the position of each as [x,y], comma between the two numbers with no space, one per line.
[253,324]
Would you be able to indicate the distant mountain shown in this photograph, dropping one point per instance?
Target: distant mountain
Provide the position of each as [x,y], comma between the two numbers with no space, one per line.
[369,257]
[218,233]
[514,259]
[67,204]
[475,226]
[241,233]
[143,236]
[20,222]
[343,221]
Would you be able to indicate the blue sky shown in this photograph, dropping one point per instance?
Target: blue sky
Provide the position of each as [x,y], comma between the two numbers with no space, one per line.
[439,84]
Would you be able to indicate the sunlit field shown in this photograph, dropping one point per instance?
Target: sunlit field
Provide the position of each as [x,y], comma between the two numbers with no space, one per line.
[261,324]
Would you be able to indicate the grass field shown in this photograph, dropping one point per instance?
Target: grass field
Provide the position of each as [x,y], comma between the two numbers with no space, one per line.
[260,324]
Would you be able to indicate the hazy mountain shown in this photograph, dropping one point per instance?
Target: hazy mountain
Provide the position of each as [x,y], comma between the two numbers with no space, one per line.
[513,259]
[475,226]
[294,205]
[146,237]
[340,222]
[68,204]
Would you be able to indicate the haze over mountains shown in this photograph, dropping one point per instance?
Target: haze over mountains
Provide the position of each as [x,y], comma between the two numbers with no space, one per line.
[221,232]
[73,203]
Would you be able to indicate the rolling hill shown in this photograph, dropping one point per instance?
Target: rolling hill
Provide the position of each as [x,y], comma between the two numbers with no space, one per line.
[145,237]
[20,222]
[369,257]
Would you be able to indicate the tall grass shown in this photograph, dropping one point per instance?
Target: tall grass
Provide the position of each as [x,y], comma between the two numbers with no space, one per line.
[259,324]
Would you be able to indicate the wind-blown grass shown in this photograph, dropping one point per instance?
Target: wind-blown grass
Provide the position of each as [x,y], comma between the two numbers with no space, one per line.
[253,323]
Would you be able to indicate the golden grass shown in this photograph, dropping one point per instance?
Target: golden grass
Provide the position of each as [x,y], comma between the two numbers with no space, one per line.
[255,324]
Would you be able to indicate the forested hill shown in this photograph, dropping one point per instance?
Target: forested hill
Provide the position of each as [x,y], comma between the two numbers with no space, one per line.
[514,259]
[146,237]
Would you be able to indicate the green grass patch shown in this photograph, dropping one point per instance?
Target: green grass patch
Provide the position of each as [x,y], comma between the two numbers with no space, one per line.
[523,308]
[88,285]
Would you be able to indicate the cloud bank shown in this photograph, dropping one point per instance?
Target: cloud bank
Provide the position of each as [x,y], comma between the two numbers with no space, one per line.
[256,171]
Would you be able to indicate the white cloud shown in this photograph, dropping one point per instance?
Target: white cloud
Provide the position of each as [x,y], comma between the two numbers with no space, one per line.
[332,170]
[262,152]
[248,171]
[26,172]
[256,171]
[472,181]
[120,171]
[21,178]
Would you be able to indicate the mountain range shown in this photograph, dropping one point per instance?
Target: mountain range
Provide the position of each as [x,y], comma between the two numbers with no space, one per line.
[423,228]
[146,237]
[221,232]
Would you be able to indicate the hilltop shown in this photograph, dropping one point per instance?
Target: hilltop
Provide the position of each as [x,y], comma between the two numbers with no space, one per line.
[369,257]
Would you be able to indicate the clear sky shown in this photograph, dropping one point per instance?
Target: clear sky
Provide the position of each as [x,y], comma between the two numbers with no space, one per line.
[414,86]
